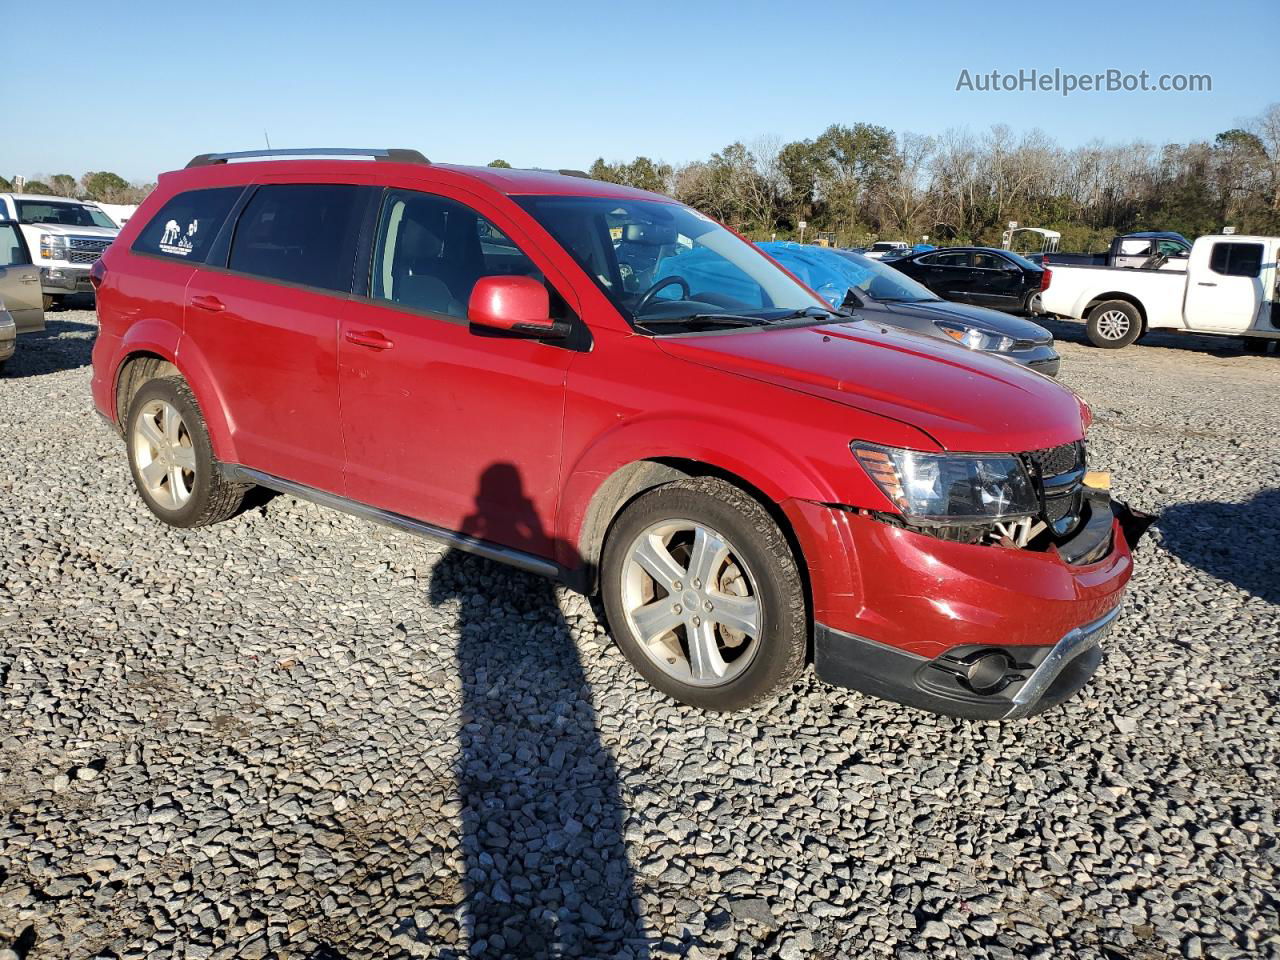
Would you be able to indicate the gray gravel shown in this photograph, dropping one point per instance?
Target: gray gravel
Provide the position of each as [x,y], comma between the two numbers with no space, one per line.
[299,735]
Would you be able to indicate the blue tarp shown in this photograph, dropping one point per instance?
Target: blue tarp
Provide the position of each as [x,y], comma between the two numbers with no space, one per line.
[824,271]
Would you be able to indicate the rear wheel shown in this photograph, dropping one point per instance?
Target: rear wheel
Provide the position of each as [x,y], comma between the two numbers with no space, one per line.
[704,595]
[171,458]
[48,301]
[1033,307]
[1114,324]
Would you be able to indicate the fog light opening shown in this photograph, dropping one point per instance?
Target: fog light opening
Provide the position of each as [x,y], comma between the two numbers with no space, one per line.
[988,672]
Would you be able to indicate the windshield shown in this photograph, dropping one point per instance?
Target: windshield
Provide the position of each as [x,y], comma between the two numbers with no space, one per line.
[68,214]
[885,247]
[666,262]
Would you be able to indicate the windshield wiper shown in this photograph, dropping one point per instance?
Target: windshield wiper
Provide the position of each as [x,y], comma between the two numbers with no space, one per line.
[906,299]
[719,319]
[815,312]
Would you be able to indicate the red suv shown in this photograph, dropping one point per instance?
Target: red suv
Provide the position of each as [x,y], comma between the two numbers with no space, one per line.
[602,385]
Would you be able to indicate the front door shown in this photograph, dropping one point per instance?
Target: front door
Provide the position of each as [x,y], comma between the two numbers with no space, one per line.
[1225,294]
[19,280]
[443,424]
[949,275]
[996,282]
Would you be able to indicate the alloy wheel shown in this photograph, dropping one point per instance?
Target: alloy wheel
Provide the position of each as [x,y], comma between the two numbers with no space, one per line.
[164,455]
[691,602]
[1113,325]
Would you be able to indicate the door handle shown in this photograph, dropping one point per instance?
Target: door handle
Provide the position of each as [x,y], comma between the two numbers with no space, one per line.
[369,338]
[29,278]
[212,304]
[1203,284]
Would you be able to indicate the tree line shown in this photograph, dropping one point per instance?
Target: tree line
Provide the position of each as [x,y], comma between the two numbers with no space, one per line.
[864,182]
[100,185]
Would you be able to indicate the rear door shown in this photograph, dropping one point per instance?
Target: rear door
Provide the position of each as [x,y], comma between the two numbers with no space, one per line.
[19,280]
[264,319]
[949,275]
[1224,286]
[453,427]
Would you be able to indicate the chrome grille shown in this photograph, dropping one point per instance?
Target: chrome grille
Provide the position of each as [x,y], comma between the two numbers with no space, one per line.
[86,249]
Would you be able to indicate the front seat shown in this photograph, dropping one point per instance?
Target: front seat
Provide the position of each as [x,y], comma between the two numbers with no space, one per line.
[423,275]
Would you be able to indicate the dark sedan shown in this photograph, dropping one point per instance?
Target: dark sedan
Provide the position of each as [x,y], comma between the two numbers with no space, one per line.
[982,276]
[883,295]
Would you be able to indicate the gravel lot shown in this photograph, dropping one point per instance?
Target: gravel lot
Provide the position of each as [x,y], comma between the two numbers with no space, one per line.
[296,734]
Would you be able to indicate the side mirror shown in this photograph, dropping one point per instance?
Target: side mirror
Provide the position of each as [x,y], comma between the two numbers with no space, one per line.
[518,306]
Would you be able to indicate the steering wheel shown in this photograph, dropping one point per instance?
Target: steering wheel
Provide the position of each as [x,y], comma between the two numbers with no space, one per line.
[647,297]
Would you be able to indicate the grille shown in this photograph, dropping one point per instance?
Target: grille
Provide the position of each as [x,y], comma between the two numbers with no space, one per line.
[1053,461]
[1055,508]
[85,249]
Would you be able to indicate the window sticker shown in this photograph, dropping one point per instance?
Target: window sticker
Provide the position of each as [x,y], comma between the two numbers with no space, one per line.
[176,243]
[684,241]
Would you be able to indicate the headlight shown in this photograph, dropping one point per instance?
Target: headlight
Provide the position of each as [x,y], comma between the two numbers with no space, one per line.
[53,247]
[975,338]
[950,486]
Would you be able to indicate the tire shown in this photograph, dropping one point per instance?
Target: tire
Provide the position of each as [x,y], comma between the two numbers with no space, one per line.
[1114,324]
[48,301]
[757,571]
[1032,306]
[187,490]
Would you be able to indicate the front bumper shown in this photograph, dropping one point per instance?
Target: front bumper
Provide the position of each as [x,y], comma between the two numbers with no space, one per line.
[1043,359]
[982,632]
[60,280]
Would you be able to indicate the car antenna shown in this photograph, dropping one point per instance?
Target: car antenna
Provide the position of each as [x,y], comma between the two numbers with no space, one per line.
[266,137]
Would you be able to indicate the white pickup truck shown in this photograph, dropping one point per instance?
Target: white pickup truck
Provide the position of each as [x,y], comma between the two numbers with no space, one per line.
[1229,286]
[65,237]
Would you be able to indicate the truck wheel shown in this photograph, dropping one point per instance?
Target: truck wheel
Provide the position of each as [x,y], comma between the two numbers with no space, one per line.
[703,595]
[171,458]
[1114,324]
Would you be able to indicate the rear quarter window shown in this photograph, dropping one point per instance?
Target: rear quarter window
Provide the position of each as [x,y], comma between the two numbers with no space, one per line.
[185,226]
[1236,259]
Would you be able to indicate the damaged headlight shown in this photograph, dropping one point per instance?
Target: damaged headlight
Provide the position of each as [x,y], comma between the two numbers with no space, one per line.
[950,486]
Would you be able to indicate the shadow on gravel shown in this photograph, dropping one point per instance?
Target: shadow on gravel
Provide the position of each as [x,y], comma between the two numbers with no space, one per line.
[547,869]
[1235,542]
[60,346]
[1072,331]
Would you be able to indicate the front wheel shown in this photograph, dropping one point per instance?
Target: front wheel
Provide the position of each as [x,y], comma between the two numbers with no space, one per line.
[703,594]
[171,458]
[1114,324]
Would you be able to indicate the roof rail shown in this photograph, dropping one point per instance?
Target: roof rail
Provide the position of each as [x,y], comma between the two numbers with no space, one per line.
[389,154]
[575,173]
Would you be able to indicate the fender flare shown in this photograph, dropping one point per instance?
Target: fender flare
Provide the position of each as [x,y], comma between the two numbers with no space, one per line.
[162,339]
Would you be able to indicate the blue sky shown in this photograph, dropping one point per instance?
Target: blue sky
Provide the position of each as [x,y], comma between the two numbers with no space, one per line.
[147,85]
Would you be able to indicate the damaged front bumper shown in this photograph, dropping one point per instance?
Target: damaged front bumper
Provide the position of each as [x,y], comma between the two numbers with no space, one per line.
[980,632]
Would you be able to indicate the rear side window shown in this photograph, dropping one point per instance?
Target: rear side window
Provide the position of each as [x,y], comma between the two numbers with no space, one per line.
[947,260]
[1236,259]
[302,233]
[185,226]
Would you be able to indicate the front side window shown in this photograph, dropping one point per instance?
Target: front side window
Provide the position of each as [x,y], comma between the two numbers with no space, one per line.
[989,261]
[1236,259]
[68,213]
[666,263]
[12,250]
[303,233]
[1172,248]
[185,226]
[431,250]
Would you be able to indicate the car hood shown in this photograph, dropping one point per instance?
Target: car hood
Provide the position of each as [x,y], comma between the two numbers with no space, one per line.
[966,401]
[1010,326]
[64,230]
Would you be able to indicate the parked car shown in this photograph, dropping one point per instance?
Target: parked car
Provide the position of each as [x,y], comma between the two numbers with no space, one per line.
[1156,249]
[737,468]
[983,276]
[118,212]
[887,248]
[65,237]
[1229,287]
[881,294]
[8,336]
[19,280]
